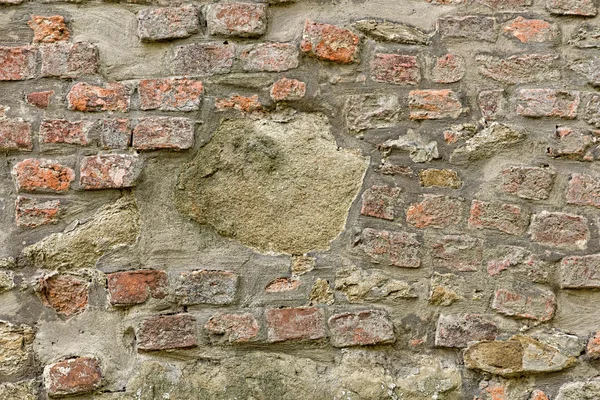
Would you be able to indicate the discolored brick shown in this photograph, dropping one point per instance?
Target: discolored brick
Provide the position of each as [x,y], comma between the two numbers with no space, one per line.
[471,27]
[380,202]
[168,23]
[528,182]
[330,43]
[73,376]
[157,133]
[109,171]
[507,218]
[65,132]
[586,36]
[306,323]
[135,287]
[69,60]
[449,68]
[167,332]
[361,328]
[48,29]
[31,213]
[283,285]
[584,8]
[593,347]
[457,252]
[270,57]
[556,229]
[457,330]
[236,19]
[40,99]
[580,272]
[40,175]
[115,133]
[395,68]
[532,30]
[15,134]
[203,59]
[17,63]
[434,104]
[371,111]
[433,177]
[492,104]
[239,103]
[592,110]
[520,69]
[399,249]
[506,5]
[66,294]
[233,328]
[528,303]
[16,348]
[569,143]
[547,103]
[85,97]
[170,94]
[584,190]
[206,287]
[435,211]
[288,90]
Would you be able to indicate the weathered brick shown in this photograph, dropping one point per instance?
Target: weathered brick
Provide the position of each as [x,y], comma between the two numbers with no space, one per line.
[170,94]
[361,328]
[66,294]
[270,57]
[115,133]
[17,63]
[548,103]
[585,8]
[22,390]
[586,36]
[433,177]
[15,134]
[86,97]
[371,111]
[593,347]
[506,5]
[203,59]
[73,376]
[109,171]
[580,272]
[63,131]
[520,69]
[40,99]
[206,287]
[16,348]
[445,289]
[39,175]
[236,19]
[165,332]
[569,143]
[471,27]
[507,218]
[300,265]
[532,30]
[168,23]
[288,90]
[330,43]
[567,231]
[380,202]
[283,285]
[538,395]
[239,103]
[399,249]
[449,68]
[156,133]
[395,68]
[492,104]
[587,67]
[135,287]
[233,328]
[528,182]
[305,323]
[391,31]
[528,303]
[459,253]
[435,211]
[584,190]
[69,60]
[434,104]
[31,213]
[592,110]
[460,329]
[48,29]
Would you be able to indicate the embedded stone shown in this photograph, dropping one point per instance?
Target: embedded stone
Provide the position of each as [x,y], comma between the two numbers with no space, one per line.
[48,29]
[167,332]
[520,69]
[530,183]
[457,330]
[170,94]
[360,286]
[67,295]
[392,32]
[399,249]
[233,328]
[73,376]
[371,111]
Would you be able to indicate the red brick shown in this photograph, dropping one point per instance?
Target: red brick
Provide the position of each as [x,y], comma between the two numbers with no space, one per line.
[39,175]
[538,395]
[459,253]
[471,27]
[569,143]
[270,57]
[165,332]
[283,285]
[168,23]
[233,328]
[31,213]
[531,303]
[580,272]
[206,287]
[558,229]
[66,294]
[520,69]
[288,90]
[361,328]
[593,347]
[435,211]
[158,133]
[528,182]
[584,190]
[109,171]
[62,131]
[507,218]
[48,29]
[69,60]
[15,134]
[449,68]
[295,324]
[135,287]
[17,63]
[236,19]
[396,69]
[380,202]
[586,8]
[115,133]
[73,376]
[492,104]
[203,59]
[240,103]
[434,104]
[459,330]
[532,30]
[330,43]
[86,97]
[399,249]
[40,99]
[548,103]
[171,94]
[506,5]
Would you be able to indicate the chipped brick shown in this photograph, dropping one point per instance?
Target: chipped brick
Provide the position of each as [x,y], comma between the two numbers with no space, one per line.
[203,59]
[40,99]
[15,134]
[547,103]
[73,376]
[86,97]
[39,175]
[233,328]
[528,182]
[270,57]
[48,29]
[459,253]
[206,287]
[330,43]
[31,213]
[109,171]
[435,211]
[380,202]
[157,133]
[166,332]
[306,323]
[434,104]
[288,90]
[66,294]
[449,68]
[171,94]
[135,287]
[471,27]
[168,23]
[395,68]
[399,249]
[63,131]
[507,218]
[567,231]
[236,19]
[69,60]
[17,63]
[115,133]
[361,328]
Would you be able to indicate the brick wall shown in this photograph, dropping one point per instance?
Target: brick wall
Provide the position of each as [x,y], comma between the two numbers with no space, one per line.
[299,199]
